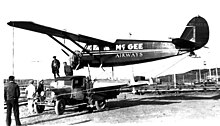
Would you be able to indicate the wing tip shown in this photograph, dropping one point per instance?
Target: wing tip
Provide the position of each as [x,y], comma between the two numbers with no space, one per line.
[13,23]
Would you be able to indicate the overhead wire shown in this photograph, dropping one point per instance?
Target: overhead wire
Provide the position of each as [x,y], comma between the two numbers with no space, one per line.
[171,66]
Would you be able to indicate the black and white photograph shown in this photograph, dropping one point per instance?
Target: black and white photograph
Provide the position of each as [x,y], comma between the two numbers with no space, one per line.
[109,62]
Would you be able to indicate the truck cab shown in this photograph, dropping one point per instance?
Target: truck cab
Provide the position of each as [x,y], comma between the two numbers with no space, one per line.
[68,90]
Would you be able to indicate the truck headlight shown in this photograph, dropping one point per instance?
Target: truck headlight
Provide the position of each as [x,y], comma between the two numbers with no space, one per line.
[52,94]
[42,93]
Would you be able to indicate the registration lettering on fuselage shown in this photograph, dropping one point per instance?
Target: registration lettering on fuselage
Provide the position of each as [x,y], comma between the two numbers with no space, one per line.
[133,46]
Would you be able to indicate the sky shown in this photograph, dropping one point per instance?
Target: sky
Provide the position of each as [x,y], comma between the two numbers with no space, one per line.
[106,20]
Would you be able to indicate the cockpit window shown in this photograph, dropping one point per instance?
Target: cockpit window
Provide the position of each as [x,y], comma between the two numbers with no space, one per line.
[95,47]
[92,47]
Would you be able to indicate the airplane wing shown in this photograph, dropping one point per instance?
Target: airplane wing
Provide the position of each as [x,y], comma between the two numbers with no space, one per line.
[27,25]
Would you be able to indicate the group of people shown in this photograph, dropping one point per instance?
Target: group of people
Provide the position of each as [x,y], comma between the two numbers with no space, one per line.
[31,92]
[12,94]
[12,91]
[55,65]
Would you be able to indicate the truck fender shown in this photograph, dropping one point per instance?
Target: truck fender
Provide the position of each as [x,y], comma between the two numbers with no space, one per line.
[97,97]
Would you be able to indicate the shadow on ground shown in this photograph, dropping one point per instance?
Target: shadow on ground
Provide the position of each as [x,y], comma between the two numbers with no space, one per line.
[111,105]
[58,117]
[186,97]
[136,102]
[114,104]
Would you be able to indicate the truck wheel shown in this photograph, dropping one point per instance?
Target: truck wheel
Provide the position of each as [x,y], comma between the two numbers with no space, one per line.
[100,104]
[39,108]
[60,107]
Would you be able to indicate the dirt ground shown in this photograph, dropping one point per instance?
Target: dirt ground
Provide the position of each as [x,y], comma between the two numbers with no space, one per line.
[128,109]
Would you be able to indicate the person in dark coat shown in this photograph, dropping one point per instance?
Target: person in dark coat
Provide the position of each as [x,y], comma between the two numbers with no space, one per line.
[11,95]
[55,65]
[40,87]
[68,69]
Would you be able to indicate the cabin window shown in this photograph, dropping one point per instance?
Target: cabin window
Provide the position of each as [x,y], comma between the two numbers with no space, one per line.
[89,47]
[95,47]
[106,48]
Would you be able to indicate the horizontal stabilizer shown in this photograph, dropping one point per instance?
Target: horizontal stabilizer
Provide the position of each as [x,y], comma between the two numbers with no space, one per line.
[183,44]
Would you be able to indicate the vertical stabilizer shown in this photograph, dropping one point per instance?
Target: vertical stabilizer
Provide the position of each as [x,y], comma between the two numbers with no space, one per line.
[197,30]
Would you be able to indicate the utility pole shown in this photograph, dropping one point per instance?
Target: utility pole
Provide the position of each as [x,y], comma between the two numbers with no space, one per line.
[205,77]
[113,73]
[216,74]
[183,79]
[13,53]
[130,35]
[197,77]
[200,75]
[174,80]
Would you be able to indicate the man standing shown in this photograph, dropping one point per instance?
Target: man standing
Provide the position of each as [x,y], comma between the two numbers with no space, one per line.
[11,95]
[67,69]
[30,93]
[55,65]
[40,87]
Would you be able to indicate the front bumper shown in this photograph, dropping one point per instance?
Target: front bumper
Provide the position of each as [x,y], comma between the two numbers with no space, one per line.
[45,102]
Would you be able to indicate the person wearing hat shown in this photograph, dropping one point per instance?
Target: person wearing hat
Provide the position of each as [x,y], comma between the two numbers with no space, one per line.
[67,69]
[55,65]
[30,93]
[11,95]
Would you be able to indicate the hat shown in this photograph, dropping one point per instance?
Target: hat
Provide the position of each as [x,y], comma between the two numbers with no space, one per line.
[41,82]
[11,78]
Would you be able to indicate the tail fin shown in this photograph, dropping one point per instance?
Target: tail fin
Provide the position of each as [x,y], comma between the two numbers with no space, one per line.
[197,30]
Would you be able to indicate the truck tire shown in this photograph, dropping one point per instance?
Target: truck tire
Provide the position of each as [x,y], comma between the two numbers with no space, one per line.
[39,108]
[100,105]
[60,107]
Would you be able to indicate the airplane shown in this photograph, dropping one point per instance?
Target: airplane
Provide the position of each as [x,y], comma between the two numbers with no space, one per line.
[100,53]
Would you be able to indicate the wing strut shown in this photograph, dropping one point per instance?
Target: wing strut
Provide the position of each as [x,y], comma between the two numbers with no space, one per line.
[62,44]
[77,44]
[65,52]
